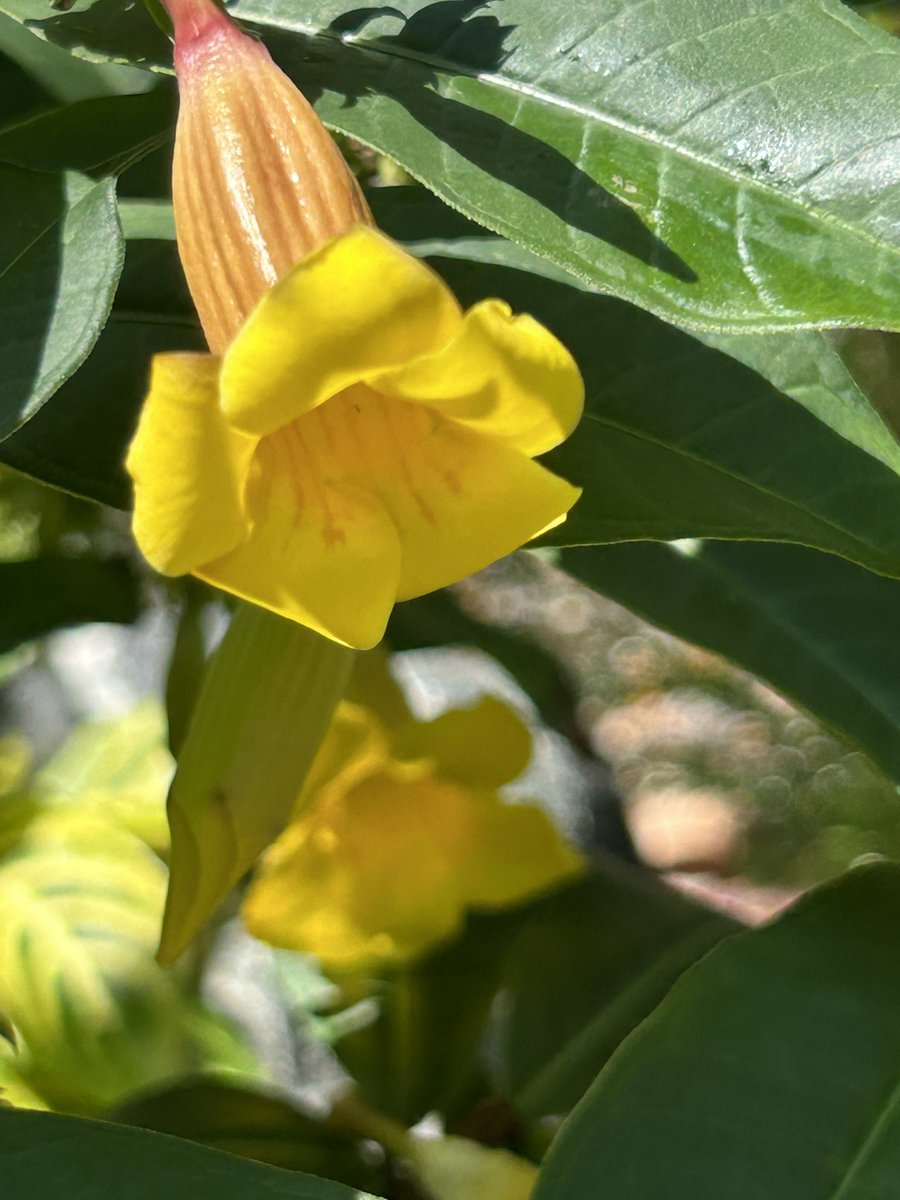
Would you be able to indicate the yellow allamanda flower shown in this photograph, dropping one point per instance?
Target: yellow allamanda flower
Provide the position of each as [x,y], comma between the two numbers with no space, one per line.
[401,831]
[354,438]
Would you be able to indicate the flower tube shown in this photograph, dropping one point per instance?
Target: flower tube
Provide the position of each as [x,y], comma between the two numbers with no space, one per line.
[354,438]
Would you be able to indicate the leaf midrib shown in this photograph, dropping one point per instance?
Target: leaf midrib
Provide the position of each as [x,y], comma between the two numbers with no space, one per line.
[634,129]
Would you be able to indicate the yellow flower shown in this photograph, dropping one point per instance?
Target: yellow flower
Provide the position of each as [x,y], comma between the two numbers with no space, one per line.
[356,438]
[455,1168]
[401,830]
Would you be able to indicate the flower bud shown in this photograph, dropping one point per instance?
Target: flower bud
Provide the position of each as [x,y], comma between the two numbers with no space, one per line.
[355,438]
[258,182]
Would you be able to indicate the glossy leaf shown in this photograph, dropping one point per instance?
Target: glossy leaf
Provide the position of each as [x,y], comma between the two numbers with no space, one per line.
[43,1155]
[770,1070]
[60,256]
[657,156]
[62,78]
[819,630]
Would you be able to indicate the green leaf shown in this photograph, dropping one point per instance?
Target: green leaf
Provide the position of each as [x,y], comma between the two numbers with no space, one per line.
[95,136]
[43,594]
[657,155]
[77,443]
[590,964]
[845,380]
[61,253]
[811,369]
[251,1124]
[770,1071]
[43,1155]
[97,31]
[819,630]
[119,769]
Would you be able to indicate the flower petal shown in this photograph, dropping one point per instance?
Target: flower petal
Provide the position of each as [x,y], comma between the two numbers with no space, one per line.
[486,745]
[459,501]
[516,853]
[189,468]
[370,877]
[502,375]
[326,556]
[357,306]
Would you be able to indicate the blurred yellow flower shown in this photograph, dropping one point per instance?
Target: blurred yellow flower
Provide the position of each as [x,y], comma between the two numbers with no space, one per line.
[356,438]
[401,830]
[455,1168]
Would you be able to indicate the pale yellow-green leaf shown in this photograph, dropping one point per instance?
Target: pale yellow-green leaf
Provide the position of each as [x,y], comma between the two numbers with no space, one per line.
[454,1168]
[14,1090]
[263,709]
[118,769]
[80,902]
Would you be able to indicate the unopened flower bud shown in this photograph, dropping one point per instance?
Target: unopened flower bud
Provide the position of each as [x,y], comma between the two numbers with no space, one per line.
[258,182]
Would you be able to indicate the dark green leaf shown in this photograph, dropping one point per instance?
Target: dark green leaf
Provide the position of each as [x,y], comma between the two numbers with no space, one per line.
[770,1071]
[78,442]
[98,30]
[43,1156]
[820,630]
[43,594]
[250,1124]
[97,137]
[588,967]
[61,253]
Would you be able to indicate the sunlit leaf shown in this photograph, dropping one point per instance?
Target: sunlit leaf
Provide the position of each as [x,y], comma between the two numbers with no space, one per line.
[61,253]
[652,149]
